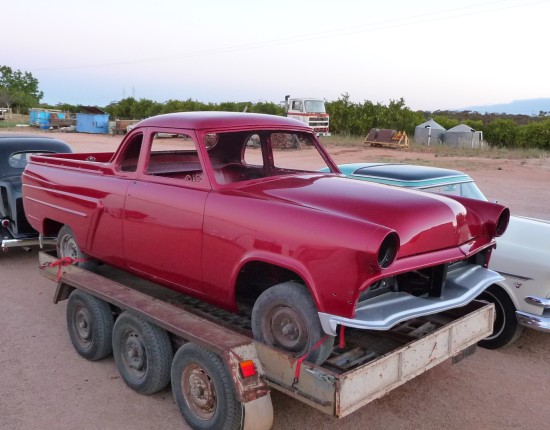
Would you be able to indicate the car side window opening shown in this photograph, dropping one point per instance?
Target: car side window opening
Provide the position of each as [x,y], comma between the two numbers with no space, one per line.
[297,105]
[19,160]
[284,159]
[129,159]
[253,151]
[242,156]
[174,155]
[466,189]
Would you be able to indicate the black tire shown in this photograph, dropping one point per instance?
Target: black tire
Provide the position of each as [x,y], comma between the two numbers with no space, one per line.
[67,246]
[203,390]
[90,325]
[143,353]
[285,316]
[506,328]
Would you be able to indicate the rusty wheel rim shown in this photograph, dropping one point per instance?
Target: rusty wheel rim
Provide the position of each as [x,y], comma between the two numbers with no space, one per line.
[283,326]
[82,326]
[199,391]
[133,354]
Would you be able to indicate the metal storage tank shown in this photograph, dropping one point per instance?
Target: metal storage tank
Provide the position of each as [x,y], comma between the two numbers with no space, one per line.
[429,133]
[463,135]
[92,120]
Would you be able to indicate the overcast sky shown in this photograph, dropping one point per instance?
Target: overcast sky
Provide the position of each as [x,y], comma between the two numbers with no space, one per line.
[443,54]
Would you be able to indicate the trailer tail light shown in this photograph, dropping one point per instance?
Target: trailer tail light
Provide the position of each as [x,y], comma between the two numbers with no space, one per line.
[247,368]
[5,223]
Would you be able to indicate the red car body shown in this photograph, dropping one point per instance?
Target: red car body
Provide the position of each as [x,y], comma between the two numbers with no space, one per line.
[213,238]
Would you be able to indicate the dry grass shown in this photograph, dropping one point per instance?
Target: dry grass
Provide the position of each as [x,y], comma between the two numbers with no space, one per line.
[446,151]
[13,120]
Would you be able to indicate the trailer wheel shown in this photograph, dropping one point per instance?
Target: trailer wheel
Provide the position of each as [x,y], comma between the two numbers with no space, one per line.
[90,325]
[203,390]
[68,247]
[506,328]
[143,353]
[286,316]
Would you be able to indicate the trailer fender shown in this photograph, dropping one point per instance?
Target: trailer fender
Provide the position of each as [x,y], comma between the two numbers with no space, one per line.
[258,414]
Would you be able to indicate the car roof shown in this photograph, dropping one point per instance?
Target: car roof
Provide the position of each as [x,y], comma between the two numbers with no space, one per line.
[222,120]
[15,143]
[11,144]
[404,175]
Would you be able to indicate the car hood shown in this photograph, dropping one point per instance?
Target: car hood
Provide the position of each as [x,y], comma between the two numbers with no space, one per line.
[527,235]
[424,221]
[523,252]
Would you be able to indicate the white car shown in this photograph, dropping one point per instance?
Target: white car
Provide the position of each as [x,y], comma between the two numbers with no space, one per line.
[522,255]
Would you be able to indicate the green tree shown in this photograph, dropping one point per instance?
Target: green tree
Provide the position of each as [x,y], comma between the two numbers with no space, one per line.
[124,109]
[342,113]
[446,122]
[268,108]
[501,132]
[475,124]
[536,134]
[19,89]
[399,117]
[357,119]
[145,108]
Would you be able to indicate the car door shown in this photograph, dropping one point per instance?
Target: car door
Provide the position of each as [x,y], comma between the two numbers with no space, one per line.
[164,210]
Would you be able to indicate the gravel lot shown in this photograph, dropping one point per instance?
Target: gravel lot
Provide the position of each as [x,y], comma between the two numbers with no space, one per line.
[45,384]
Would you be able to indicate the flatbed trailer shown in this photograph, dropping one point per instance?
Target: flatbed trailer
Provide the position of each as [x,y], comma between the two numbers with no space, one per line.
[364,366]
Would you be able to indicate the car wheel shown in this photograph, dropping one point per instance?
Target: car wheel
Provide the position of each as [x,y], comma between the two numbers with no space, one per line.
[285,316]
[68,247]
[506,328]
[143,353]
[90,325]
[203,390]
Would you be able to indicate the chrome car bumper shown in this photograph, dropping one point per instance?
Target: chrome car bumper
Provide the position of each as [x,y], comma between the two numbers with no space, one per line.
[14,243]
[463,284]
[537,322]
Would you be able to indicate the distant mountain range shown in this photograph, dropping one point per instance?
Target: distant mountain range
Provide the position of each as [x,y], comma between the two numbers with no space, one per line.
[517,107]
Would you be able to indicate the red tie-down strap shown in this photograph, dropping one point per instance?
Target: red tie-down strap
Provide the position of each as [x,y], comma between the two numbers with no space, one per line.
[303,357]
[61,263]
[342,345]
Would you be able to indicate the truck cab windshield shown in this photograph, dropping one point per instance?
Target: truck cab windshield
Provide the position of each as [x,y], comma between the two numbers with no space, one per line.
[315,106]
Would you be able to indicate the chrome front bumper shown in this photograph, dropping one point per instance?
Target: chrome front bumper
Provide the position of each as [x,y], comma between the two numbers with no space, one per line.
[537,322]
[463,284]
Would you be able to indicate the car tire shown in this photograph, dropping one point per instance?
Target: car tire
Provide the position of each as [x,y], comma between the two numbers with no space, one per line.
[67,246]
[204,390]
[142,352]
[285,316]
[90,325]
[506,328]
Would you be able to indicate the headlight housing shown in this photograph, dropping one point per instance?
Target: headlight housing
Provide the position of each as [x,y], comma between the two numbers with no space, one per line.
[388,250]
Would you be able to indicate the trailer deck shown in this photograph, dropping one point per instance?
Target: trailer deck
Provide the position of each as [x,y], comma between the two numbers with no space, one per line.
[369,365]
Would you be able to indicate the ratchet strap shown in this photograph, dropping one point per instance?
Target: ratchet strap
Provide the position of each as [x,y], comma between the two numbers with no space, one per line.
[61,263]
[303,357]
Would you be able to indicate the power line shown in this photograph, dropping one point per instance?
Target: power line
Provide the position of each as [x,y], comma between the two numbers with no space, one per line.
[338,32]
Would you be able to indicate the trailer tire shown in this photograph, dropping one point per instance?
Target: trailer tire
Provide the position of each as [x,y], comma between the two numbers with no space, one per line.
[90,325]
[67,246]
[285,316]
[506,328]
[142,352]
[204,391]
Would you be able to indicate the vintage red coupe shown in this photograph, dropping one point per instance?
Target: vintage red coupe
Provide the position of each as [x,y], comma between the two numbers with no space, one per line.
[214,205]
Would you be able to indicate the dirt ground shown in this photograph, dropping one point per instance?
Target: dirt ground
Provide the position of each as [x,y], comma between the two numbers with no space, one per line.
[45,384]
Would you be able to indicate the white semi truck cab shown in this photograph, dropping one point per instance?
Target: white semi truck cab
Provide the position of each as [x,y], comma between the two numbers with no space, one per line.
[310,111]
